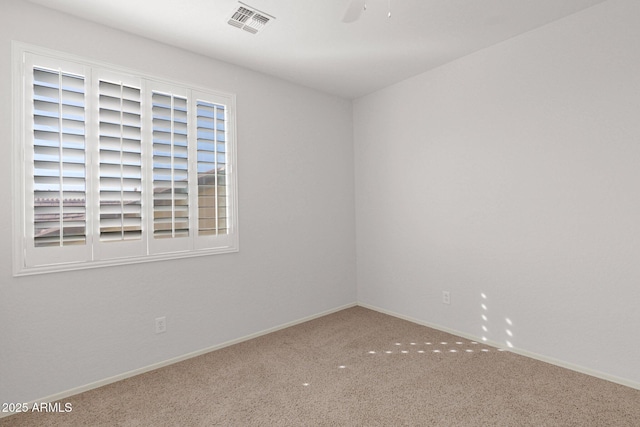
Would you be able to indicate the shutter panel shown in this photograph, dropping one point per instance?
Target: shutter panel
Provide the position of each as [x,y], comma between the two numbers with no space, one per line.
[212,162]
[170,166]
[120,157]
[59,173]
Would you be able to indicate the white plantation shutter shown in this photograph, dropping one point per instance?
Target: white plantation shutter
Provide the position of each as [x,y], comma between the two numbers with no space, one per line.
[215,187]
[170,166]
[120,158]
[116,168]
[212,166]
[53,191]
[59,175]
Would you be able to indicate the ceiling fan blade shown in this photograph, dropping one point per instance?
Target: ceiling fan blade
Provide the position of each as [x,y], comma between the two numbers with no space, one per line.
[354,10]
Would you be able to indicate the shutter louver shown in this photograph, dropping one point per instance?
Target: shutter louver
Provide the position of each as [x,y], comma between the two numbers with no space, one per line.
[212,194]
[120,162]
[59,174]
[170,166]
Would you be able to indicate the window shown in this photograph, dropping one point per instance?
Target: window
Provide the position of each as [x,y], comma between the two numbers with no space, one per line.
[116,167]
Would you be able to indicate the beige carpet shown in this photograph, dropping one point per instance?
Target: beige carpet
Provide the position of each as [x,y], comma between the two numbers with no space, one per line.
[356,367]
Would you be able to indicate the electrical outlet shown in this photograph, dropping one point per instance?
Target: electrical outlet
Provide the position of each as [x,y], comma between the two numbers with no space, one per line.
[161,324]
[446,297]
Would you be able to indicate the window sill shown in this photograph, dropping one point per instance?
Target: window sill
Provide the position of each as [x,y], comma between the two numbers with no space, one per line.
[56,268]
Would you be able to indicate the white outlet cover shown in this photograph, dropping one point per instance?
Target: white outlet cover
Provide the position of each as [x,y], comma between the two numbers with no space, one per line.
[161,325]
[446,297]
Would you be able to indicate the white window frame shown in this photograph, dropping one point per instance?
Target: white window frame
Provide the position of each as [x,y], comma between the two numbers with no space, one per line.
[28,259]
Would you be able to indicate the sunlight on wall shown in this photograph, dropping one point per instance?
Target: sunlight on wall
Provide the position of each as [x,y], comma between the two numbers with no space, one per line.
[485,322]
[508,331]
[485,318]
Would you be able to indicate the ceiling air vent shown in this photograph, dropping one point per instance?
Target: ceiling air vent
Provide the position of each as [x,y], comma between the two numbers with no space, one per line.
[249,19]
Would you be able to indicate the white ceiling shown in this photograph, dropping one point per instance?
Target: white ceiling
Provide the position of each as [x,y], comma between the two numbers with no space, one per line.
[309,44]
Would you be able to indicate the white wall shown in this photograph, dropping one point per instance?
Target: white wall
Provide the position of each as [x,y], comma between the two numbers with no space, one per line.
[513,172]
[297,233]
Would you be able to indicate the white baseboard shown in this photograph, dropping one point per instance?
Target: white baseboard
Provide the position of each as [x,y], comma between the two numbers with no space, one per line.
[133,373]
[521,352]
